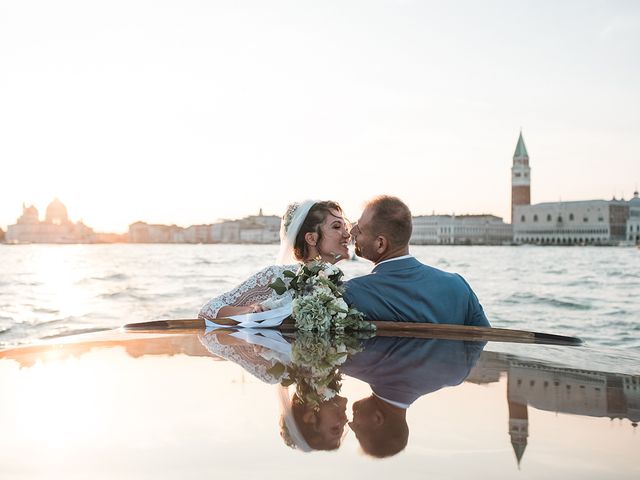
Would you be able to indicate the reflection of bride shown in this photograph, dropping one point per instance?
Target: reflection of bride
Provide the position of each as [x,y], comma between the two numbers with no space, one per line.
[308,230]
[314,416]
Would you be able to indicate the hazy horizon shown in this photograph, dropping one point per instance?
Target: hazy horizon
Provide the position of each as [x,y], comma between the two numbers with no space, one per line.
[187,112]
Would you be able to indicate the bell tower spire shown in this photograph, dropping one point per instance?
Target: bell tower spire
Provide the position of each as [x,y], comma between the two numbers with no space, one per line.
[520,177]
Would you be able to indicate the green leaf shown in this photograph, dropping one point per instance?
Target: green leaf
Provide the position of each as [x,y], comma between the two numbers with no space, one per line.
[287,382]
[279,286]
[277,370]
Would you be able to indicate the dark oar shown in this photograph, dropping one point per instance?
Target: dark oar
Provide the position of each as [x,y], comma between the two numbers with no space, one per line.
[396,329]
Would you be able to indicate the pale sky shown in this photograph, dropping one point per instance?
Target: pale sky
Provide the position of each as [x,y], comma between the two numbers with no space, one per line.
[189,111]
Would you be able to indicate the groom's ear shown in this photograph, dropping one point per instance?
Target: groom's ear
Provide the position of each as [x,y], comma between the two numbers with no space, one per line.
[378,418]
[311,238]
[382,244]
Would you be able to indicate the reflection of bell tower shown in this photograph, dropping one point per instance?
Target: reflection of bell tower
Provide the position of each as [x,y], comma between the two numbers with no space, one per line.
[520,177]
[518,423]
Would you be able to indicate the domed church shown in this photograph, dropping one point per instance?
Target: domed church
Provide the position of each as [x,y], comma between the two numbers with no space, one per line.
[56,227]
[57,213]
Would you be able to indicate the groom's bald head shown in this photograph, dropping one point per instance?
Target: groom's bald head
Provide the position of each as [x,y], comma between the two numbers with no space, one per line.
[390,217]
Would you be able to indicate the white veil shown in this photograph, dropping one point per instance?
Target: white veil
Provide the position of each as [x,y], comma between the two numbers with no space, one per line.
[293,434]
[292,220]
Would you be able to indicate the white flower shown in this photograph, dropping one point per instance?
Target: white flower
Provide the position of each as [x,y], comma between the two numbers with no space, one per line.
[331,269]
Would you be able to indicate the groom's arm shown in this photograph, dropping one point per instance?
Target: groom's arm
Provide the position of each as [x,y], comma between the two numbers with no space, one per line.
[351,295]
[357,297]
[475,312]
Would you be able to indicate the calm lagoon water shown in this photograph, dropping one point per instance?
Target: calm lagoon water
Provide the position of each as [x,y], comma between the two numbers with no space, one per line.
[195,404]
[51,290]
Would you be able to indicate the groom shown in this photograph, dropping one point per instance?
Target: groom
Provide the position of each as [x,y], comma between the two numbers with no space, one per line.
[400,288]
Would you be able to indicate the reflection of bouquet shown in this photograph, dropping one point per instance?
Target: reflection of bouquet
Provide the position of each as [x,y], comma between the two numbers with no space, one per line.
[315,360]
[317,299]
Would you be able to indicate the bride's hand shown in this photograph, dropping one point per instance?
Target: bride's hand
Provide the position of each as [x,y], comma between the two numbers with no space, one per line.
[257,308]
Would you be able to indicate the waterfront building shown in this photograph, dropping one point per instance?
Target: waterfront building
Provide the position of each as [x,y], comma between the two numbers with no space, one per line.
[227,231]
[460,230]
[103,237]
[633,224]
[252,229]
[141,232]
[520,177]
[260,229]
[56,227]
[586,222]
[196,234]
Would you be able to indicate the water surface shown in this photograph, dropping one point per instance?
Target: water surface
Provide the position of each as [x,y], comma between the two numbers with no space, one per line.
[48,290]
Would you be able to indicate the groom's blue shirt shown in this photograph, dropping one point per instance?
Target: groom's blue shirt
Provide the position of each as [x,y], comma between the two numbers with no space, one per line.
[406,290]
[404,369]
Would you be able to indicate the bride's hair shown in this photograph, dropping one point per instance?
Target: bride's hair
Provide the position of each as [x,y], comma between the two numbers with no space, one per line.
[317,214]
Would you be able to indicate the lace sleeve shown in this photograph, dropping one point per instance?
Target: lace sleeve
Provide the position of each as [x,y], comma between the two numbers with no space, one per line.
[247,356]
[253,290]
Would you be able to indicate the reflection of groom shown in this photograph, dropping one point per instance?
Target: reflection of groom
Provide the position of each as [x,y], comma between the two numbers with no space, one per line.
[399,371]
[400,288]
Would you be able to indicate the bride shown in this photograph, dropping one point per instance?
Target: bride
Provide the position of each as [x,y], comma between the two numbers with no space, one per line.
[309,230]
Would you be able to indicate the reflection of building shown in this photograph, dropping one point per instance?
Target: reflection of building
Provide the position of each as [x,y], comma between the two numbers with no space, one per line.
[28,356]
[518,422]
[460,230]
[56,227]
[584,222]
[557,389]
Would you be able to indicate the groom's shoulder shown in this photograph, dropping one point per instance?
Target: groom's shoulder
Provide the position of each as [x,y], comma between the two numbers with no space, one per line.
[446,278]
[442,278]
[436,273]
[357,281]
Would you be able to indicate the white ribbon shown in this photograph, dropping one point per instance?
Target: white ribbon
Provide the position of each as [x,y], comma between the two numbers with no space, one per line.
[268,319]
[271,339]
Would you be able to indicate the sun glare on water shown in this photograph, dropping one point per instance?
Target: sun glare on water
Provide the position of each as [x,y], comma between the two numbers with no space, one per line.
[57,275]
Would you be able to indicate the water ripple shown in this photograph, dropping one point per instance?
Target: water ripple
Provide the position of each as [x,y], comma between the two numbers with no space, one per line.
[530,298]
[591,293]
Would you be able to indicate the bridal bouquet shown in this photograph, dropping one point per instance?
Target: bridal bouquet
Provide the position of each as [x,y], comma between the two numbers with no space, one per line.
[317,299]
[315,360]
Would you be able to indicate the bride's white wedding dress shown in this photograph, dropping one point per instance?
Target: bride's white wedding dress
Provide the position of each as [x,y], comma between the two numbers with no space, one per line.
[253,290]
[257,353]
[256,288]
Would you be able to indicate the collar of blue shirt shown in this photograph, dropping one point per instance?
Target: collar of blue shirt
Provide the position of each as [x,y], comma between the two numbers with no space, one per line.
[402,405]
[403,257]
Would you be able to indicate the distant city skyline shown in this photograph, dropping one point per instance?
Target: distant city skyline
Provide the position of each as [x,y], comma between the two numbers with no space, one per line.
[186,112]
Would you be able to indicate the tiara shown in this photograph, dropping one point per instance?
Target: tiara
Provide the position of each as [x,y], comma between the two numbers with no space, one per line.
[288,216]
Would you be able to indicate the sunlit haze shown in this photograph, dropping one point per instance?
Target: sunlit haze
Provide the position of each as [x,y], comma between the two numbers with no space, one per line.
[186,112]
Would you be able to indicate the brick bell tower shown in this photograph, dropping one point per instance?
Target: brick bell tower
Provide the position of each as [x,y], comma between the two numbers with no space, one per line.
[520,177]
